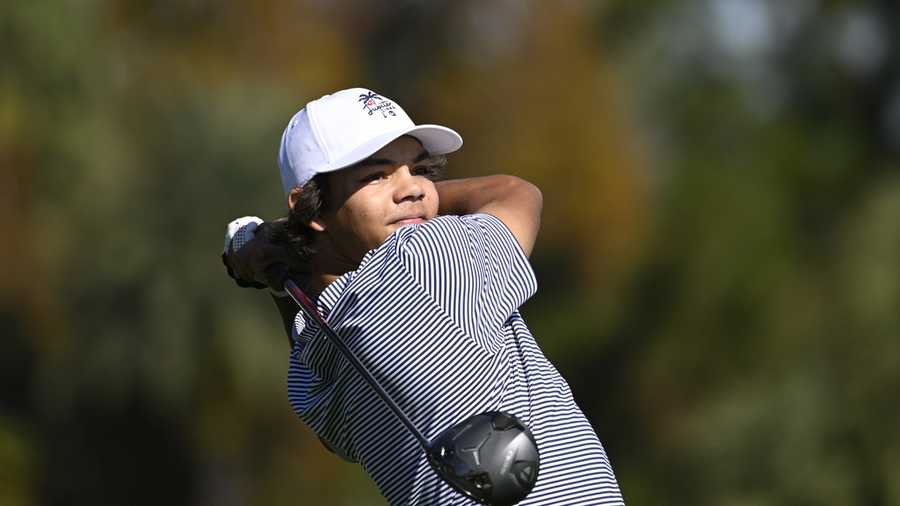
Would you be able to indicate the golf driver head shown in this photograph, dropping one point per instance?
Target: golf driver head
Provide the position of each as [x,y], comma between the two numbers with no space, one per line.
[491,457]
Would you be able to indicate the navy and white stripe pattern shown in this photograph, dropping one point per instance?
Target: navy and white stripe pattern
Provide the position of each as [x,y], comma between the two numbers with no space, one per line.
[433,313]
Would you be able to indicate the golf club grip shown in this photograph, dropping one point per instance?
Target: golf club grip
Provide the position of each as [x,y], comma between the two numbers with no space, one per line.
[278,273]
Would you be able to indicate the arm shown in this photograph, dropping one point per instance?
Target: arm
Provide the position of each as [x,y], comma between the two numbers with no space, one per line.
[514,201]
[249,250]
[288,310]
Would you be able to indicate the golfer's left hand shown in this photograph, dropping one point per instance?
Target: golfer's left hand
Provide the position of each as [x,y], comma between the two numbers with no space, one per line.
[249,251]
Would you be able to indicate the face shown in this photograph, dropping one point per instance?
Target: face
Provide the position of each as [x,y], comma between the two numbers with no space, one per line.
[377,196]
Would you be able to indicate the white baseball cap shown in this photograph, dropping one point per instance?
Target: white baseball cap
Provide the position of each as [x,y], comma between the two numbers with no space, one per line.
[343,128]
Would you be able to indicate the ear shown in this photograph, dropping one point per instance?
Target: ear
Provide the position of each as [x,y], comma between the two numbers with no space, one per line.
[316,224]
[293,196]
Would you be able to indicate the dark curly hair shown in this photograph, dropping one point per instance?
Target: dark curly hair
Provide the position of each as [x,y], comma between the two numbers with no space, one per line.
[294,232]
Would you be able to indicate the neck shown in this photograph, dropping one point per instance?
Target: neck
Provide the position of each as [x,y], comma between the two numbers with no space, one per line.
[317,282]
[326,265]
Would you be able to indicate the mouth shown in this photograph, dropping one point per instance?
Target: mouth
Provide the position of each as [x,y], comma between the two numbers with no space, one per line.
[410,220]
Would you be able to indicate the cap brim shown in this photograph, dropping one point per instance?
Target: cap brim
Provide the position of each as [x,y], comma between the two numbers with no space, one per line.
[436,139]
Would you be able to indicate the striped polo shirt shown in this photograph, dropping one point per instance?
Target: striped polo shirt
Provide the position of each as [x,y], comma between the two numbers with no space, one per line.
[433,314]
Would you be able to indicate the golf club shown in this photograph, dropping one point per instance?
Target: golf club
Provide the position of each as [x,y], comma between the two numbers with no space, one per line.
[491,457]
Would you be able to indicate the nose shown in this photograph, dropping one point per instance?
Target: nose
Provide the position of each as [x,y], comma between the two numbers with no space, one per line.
[408,188]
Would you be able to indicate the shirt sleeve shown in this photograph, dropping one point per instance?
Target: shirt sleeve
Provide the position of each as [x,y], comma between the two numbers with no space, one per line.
[473,267]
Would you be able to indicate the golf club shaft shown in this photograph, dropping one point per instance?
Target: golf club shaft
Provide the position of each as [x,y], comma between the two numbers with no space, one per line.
[309,308]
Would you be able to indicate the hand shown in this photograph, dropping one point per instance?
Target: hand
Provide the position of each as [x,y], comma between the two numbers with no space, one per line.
[250,248]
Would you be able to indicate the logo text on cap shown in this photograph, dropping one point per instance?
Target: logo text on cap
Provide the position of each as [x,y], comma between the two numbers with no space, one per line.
[373,103]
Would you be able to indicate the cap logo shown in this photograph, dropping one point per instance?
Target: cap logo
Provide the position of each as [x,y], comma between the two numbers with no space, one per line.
[372,103]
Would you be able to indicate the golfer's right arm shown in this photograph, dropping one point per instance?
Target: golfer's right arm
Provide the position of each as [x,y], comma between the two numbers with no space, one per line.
[514,201]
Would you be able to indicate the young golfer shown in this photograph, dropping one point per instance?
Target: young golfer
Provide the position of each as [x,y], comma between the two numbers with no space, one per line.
[423,279]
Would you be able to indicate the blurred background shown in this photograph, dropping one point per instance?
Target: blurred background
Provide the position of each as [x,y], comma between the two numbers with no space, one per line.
[719,260]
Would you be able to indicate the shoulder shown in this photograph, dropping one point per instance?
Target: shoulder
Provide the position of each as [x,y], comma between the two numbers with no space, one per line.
[458,247]
[451,230]
[443,252]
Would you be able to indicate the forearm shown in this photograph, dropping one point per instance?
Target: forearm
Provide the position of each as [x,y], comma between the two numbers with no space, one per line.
[288,311]
[475,194]
[513,200]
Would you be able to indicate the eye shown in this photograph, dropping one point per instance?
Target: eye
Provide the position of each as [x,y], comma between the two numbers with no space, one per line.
[373,177]
[424,170]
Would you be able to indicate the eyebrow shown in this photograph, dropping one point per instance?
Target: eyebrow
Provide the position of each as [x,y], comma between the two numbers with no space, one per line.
[368,162]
